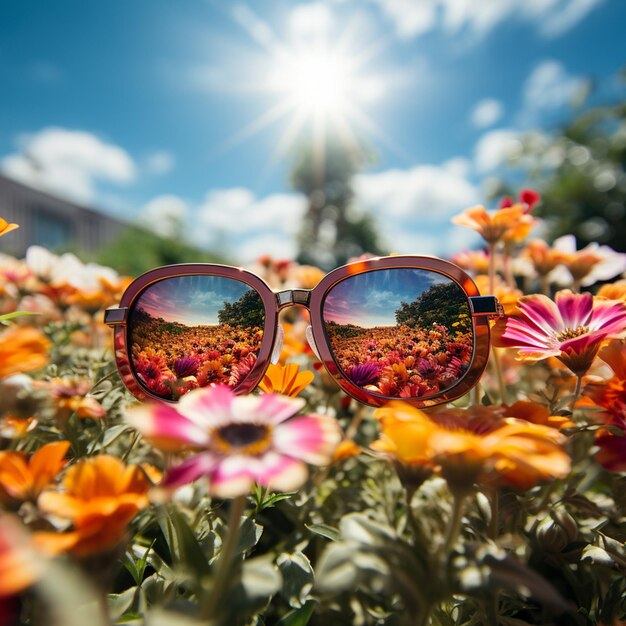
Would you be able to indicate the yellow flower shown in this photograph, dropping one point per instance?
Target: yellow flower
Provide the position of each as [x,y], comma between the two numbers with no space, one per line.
[470,446]
[22,349]
[614,291]
[24,478]
[285,379]
[5,227]
[102,496]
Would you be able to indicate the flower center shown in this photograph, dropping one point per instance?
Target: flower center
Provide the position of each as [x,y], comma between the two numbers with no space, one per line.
[243,437]
[572,333]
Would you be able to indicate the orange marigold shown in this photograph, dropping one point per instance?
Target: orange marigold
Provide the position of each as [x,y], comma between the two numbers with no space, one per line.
[466,449]
[5,227]
[101,496]
[22,349]
[24,478]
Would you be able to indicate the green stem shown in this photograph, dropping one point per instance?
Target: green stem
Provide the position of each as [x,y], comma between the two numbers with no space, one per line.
[224,565]
[494,522]
[454,523]
[579,382]
[492,267]
[499,374]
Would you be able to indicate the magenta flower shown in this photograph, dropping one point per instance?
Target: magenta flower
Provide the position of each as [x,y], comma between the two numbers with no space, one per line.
[239,440]
[364,374]
[571,329]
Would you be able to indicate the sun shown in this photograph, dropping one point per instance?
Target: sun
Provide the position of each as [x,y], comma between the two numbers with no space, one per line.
[318,82]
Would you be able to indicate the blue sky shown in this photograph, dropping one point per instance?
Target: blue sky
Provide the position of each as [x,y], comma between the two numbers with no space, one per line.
[149,109]
[191,300]
[372,298]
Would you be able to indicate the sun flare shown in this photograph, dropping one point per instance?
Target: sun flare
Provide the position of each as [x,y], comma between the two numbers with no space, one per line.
[317,82]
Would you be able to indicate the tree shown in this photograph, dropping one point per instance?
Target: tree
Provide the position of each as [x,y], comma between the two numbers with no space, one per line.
[247,311]
[332,230]
[442,304]
[580,170]
[138,250]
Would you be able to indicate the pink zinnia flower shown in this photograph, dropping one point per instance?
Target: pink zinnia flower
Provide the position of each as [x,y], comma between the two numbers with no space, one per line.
[572,329]
[240,439]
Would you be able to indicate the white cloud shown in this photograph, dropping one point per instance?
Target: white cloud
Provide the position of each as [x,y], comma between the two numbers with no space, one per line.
[253,226]
[479,17]
[159,162]
[550,87]
[571,14]
[495,148]
[69,163]
[166,215]
[423,192]
[413,207]
[487,112]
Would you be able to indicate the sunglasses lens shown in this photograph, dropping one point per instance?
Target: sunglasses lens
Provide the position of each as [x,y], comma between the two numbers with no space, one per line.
[402,332]
[192,331]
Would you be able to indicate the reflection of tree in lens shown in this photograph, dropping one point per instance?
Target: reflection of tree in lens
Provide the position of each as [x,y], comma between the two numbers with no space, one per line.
[171,358]
[428,351]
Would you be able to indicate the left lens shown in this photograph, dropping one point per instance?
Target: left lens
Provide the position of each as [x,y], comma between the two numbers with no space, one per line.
[401,332]
[192,331]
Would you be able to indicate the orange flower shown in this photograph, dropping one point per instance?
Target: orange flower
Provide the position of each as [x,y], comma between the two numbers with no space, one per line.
[22,349]
[473,446]
[345,450]
[614,291]
[5,227]
[504,223]
[285,379]
[71,395]
[537,414]
[102,496]
[611,394]
[20,567]
[24,478]
[543,257]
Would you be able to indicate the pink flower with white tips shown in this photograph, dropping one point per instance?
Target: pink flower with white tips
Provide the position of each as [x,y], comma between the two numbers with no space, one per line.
[572,329]
[236,441]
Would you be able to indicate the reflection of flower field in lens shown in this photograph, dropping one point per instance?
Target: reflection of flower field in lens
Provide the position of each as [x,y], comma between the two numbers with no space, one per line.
[402,361]
[171,359]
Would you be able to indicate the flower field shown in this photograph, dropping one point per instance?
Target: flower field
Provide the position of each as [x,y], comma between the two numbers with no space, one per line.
[295,505]
[172,358]
[400,361]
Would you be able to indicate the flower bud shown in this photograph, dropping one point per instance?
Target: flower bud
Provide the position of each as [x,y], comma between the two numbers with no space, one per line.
[557,530]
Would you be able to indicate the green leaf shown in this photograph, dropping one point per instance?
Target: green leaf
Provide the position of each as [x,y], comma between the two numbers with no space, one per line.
[249,534]
[260,578]
[298,617]
[297,576]
[9,316]
[184,547]
[324,530]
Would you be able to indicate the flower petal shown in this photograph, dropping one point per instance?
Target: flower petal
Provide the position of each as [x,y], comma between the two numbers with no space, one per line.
[575,308]
[208,406]
[189,470]
[544,313]
[312,438]
[280,472]
[166,427]
[233,476]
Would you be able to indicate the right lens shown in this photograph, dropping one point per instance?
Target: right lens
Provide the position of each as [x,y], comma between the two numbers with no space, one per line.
[400,332]
[192,331]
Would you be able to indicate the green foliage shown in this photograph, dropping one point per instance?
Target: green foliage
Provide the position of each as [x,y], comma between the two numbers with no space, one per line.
[138,250]
[443,304]
[580,170]
[247,311]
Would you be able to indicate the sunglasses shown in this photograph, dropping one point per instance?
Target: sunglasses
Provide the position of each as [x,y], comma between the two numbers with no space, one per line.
[409,327]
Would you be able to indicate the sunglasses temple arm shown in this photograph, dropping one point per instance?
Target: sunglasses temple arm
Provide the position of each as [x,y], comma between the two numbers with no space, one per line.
[486,306]
[115,316]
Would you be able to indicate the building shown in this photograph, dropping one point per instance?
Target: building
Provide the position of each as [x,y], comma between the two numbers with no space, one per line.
[51,222]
